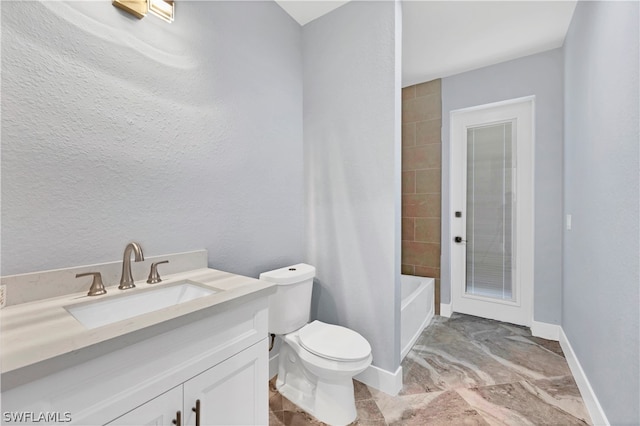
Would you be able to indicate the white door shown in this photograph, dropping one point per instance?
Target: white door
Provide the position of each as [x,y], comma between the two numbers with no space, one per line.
[492,160]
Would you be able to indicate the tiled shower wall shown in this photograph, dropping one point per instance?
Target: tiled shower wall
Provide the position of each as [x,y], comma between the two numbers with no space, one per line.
[421,177]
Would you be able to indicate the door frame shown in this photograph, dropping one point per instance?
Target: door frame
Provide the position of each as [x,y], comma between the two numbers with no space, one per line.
[460,120]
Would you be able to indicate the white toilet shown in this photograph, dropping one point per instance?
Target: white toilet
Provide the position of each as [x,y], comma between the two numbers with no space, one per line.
[317,360]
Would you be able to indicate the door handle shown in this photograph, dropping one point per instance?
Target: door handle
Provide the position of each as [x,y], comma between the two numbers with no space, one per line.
[196,410]
[459,240]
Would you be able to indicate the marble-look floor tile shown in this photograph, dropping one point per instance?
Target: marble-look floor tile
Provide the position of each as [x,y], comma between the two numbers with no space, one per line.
[436,366]
[394,407]
[477,329]
[300,418]
[361,391]
[466,370]
[275,398]
[525,357]
[467,351]
[276,419]
[516,404]
[434,408]
[368,411]
[549,345]
[562,392]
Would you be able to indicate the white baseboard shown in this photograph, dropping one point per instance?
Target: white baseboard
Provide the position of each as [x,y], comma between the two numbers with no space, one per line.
[545,330]
[273,365]
[383,380]
[445,310]
[588,396]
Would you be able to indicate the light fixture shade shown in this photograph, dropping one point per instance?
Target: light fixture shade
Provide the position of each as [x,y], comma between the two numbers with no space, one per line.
[164,9]
[137,8]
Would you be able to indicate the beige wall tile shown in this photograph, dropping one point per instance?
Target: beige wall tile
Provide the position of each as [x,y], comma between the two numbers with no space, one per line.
[427,181]
[432,87]
[422,157]
[421,109]
[420,254]
[404,253]
[427,230]
[425,271]
[406,269]
[421,205]
[409,134]
[409,92]
[408,229]
[409,182]
[428,132]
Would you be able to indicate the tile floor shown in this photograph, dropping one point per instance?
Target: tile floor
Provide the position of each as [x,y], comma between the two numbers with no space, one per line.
[466,370]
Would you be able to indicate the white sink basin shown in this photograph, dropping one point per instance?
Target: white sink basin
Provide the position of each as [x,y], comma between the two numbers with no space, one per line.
[107,311]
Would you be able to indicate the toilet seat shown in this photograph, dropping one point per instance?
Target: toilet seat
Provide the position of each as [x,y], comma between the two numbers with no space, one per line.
[333,342]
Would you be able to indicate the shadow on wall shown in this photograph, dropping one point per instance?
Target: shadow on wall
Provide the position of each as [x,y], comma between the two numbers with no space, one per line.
[321,295]
[139,55]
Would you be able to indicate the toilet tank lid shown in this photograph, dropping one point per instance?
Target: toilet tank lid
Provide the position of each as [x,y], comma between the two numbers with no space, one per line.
[289,274]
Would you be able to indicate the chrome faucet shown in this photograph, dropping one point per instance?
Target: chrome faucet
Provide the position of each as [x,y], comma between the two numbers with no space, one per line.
[127,279]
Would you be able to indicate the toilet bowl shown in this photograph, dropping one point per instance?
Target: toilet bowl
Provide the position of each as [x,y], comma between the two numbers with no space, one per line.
[315,372]
[317,361]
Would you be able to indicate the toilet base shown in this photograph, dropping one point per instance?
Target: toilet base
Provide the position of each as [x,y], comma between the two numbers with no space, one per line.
[334,405]
[331,402]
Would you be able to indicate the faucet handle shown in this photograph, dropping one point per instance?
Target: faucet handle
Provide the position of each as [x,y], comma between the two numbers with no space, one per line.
[97,288]
[154,276]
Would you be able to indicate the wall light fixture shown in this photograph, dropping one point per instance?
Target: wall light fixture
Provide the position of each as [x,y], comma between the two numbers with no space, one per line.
[137,8]
[164,9]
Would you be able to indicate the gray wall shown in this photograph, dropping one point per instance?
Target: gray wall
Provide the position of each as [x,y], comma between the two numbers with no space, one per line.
[540,75]
[601,312]
[180,136]
[352,153]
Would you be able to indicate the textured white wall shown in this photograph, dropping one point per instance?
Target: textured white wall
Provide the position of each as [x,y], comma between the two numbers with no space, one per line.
[539,75]
[179,136]
[601,292]
[352,153]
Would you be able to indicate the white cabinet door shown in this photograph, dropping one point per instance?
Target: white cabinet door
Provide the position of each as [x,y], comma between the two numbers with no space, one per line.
[160,411]
[234,392]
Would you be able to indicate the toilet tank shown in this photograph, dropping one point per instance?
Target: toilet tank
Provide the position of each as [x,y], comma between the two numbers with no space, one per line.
[290,305]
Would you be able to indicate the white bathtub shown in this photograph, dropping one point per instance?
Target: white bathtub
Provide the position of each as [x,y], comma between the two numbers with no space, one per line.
[416,310]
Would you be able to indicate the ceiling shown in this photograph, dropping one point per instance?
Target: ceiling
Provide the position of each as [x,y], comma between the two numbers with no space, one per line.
[443,38]
[305,11]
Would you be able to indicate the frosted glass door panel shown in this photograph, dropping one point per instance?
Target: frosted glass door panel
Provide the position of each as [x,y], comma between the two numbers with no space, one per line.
[490,206]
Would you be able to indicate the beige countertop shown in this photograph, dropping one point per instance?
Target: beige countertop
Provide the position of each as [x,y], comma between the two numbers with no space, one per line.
[36,337]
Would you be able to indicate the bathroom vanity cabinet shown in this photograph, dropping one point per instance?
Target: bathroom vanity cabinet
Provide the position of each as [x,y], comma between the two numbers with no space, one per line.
[231,393]
[217,355]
